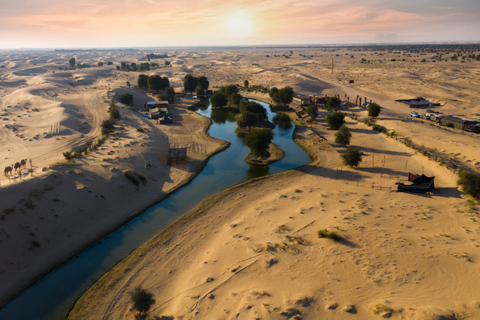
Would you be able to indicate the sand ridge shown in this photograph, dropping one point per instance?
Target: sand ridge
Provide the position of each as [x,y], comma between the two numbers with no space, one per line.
[397,246]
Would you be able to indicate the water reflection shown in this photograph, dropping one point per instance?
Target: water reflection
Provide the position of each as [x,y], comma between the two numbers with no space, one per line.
[282,121]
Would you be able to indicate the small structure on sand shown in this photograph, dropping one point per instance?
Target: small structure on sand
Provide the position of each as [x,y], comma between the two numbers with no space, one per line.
[302,101]
[176,156]
[416,103]
[419,184]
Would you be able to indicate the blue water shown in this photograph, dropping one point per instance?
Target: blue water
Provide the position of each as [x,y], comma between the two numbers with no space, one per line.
[50,297]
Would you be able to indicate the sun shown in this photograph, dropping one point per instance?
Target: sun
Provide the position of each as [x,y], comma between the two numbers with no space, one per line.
[239,25]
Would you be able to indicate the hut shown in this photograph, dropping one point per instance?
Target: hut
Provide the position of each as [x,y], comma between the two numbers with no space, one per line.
[416,103]
[299,111]
[302,101]
[150,104]
[176,156]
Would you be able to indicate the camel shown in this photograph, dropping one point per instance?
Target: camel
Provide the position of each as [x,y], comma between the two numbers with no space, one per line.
[8,170]
[23,162]
[17,166]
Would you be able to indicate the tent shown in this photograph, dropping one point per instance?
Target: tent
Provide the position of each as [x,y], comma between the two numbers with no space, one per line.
[420,183]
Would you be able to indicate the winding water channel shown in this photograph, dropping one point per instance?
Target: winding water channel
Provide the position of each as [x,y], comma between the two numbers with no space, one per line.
[50,297]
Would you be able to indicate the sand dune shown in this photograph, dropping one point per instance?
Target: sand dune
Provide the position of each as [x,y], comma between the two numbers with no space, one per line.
[405,256]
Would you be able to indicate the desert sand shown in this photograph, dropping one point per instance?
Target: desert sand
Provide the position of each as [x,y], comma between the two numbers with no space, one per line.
[53,209]
[238,254]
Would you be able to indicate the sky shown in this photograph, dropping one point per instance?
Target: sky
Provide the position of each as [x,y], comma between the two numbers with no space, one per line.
[157,23]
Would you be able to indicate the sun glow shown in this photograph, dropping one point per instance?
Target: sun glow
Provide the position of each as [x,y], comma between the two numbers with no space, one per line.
[239,25]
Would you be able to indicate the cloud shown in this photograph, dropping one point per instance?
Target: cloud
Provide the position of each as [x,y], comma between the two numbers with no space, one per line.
[187,22]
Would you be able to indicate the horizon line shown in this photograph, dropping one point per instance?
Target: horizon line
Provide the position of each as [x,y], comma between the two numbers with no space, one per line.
[258,46]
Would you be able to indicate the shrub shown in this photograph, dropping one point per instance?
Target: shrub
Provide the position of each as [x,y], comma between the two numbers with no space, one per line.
[113,111]
[127,99]
[312,111]
[343,136]
[470,183]
[335,120]
[352,157]
[373,110]
[333,104]
[134,177]
[142,300]
[332,235]
[68,155]
[107,126]
[379,128]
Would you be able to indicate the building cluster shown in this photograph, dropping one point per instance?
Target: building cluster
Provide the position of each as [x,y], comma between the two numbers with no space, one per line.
[158,111]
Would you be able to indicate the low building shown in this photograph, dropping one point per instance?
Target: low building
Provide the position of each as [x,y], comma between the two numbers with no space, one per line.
[176,156]
[460,123]
[416,103]
[302,101]
[150,104]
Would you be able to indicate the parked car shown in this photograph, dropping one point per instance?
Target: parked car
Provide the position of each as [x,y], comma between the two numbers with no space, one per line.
[415,115]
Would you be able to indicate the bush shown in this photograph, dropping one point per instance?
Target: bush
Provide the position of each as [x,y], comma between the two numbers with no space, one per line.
[343,136]
[134,177]
[379,128]
[470,183]
[352,157]
[333,104]
[142,300]
[113,111]
[127,99]
[332,235]
[373,110]
[312,111]
[68,155]
[335,120]
[107,126]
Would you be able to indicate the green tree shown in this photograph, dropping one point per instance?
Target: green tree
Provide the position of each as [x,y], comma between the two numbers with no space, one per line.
[234,99]
[312,111]
[100,64]
[127,99]
[245,84]
[190,83]
[333,104]
[154,82]
[171,93]
[142,82]
[258,141]
[71,62]
[335,120]
[219,99]
[123,65]
[283,97]
[203,83]
[164,83]
[229,90]
[373,110]
[164,97]
[470,183]
[254,107]
[343,136]
[272,91]
[352,157]
[142,300]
